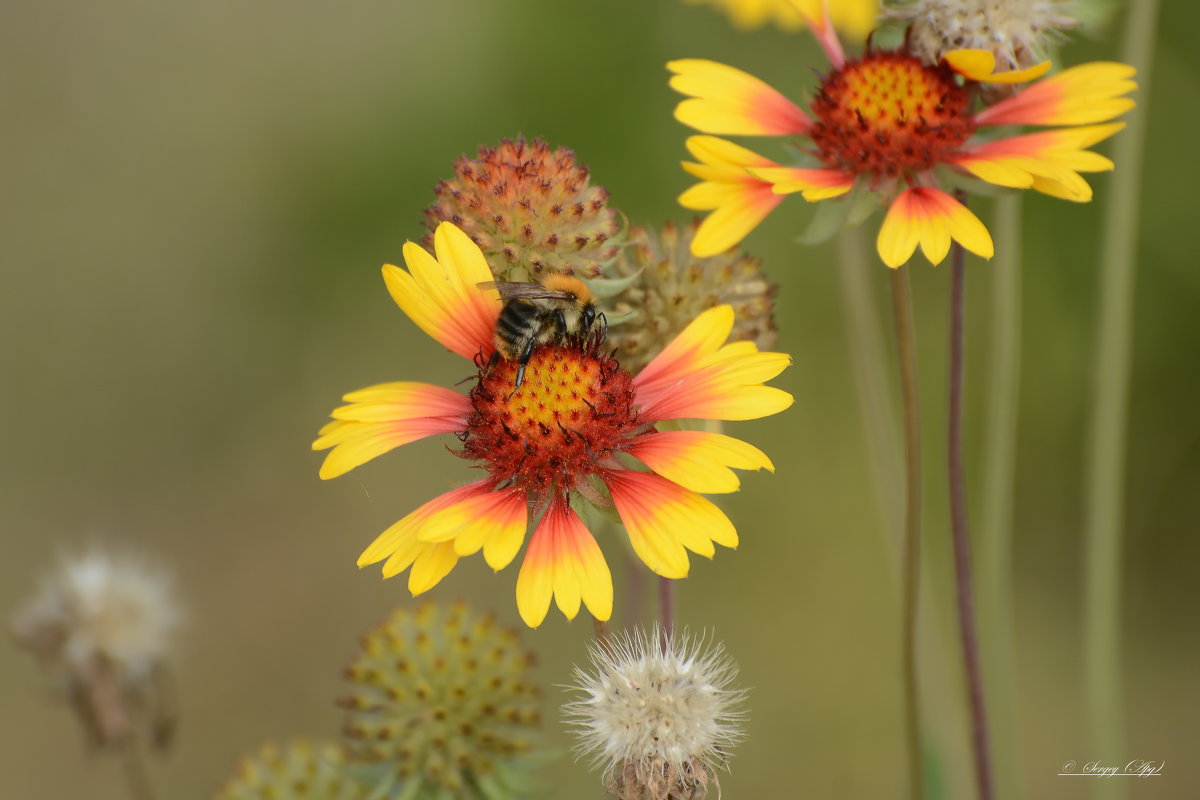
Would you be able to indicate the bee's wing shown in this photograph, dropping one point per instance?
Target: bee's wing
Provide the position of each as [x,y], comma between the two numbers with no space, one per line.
[511,290]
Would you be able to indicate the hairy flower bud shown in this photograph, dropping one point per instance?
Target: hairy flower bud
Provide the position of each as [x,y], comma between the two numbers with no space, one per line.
[530,209]
[296,771]
[660,717]
[1016,32]
[101,626]
[670,287]
[443,705]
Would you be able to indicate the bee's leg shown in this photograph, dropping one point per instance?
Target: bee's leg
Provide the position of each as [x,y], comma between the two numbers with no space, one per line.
[560,325]
[523,359]
[492,361]
[603,320]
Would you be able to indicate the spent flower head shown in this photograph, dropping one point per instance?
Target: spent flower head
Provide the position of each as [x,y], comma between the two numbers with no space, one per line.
[299,770]
[1018,33]
[102,627]
[443,706]
[579,429]
[532,210]
[660,716]
[668,286]
[886,128]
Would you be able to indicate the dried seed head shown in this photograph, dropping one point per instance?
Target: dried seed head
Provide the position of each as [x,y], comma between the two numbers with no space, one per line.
[661,720]
[530,209]
[442,704]
[670,288]
[1017,32]
[296,771]
[102,626]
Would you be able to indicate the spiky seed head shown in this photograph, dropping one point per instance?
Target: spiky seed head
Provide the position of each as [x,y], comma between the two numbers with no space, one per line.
[532,210]
[101,625]
[443,706]
[670,287]
[299,770]
[660,717]
[1017,32]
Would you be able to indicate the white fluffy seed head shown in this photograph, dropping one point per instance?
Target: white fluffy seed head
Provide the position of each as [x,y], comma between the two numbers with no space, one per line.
[1017,32]
[659,719]
[99,608]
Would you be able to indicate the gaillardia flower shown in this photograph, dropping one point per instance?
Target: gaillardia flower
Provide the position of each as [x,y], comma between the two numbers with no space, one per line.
[888,124]
[855,17]
[573,430]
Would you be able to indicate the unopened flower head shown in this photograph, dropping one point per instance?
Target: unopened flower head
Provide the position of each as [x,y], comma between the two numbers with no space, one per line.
[443,703]
[532,211]
[568,434]
[659,718]
[102,626]
[888,129]
[1018,33]
[670,286]
[299,770]
[854,17]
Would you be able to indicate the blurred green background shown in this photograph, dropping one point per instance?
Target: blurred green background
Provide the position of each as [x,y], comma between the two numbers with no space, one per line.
[196,199]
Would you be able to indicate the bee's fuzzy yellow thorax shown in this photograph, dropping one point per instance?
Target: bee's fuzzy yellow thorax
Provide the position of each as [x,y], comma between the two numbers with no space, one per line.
[565,283]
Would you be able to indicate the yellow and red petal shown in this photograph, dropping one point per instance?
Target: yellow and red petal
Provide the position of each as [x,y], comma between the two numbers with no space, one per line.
[399,542]
[698,376]
[726,100]
[813,184]
[664,520]
[563,561]
[738,200]
[494,521]
[356,443]
[1077,96]
[817,14]
[699,460]
[980,65]
[441,293]
[931,218]
[398,400]
[1047,160]
[433,563]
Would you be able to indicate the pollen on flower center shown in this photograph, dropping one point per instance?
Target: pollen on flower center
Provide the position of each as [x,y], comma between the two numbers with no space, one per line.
[574,406]
[888,114]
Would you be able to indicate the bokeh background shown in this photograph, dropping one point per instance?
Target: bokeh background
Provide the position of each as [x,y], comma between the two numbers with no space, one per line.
[195,199]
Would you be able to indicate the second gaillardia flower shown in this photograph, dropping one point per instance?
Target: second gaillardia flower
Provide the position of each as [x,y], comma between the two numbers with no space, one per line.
[574,430]
[888,125]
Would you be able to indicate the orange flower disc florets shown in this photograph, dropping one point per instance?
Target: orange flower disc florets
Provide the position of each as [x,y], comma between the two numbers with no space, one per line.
[888,114]
[573,410]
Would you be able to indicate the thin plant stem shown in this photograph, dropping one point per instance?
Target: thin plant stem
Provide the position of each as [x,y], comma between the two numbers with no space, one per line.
[1107,427]
[666,609]
[603,634]
[869,367]
[958,528]
[134,768]
[906,340]
[999,471]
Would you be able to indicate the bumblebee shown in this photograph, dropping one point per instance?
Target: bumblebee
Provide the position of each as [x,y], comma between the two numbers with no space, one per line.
[547,313]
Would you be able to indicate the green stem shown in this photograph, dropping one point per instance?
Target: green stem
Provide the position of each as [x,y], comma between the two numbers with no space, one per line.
[958,526]
[868,362]
[137,781]
[999,471]
[1104,504]
[906,341]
